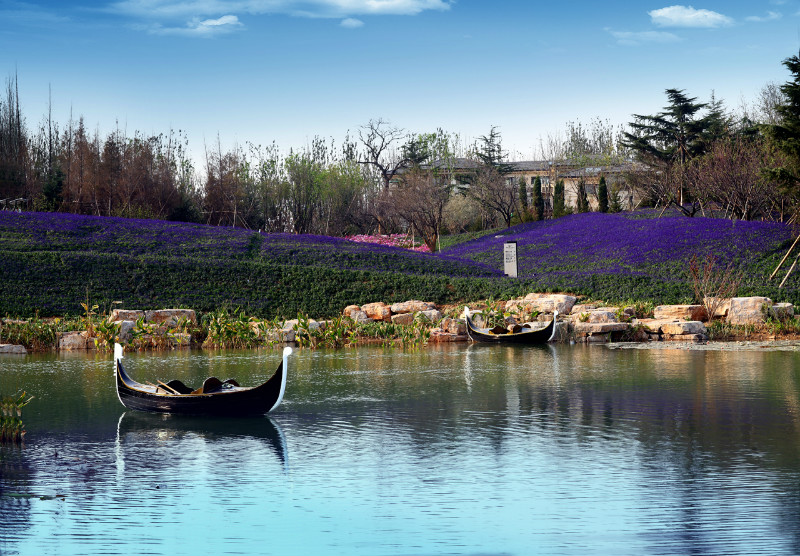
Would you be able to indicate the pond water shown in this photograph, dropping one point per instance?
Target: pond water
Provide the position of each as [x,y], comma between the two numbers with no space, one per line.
[444,450]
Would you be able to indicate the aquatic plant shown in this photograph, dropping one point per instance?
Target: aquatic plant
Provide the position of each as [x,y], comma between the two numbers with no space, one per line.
[12,430]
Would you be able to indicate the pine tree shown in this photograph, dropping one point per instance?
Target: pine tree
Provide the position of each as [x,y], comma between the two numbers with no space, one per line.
[602,195]
[523,199]
[786,135]
[538,200]
[559,208]
[582,202]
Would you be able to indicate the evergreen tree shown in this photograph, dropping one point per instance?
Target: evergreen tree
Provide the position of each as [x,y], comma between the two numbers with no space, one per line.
[538,200]
[785,136]
[602,195]
[559,208]
[615,201]
[523,199]
[582,202]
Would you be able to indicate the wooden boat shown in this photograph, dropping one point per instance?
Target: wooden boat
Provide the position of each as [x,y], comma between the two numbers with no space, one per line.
[213,398]
[524,336]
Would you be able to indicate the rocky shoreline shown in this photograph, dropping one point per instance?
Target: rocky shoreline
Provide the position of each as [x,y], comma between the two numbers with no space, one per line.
[592,323]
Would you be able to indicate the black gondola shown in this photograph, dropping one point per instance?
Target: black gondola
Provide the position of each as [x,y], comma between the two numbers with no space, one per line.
[213,398]
[524,336]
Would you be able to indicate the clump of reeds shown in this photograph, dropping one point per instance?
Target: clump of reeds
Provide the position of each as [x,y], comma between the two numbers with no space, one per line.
[11,427]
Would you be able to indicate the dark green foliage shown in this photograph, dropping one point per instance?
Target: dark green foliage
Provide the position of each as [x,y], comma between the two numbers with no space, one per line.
[583,199]
[559,209]
[602,195]
[538,200]
[786,135]
[523,199]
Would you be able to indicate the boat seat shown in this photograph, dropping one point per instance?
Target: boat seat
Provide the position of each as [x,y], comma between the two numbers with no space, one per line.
[179,387]
[211,384]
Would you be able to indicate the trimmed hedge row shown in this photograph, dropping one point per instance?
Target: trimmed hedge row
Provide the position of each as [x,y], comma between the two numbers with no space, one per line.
[55,284]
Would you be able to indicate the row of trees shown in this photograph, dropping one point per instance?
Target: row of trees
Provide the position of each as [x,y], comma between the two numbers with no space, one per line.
[699,158]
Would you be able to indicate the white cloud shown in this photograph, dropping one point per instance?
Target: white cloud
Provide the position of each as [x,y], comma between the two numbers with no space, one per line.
[352,23]
[687,16]
[159,9]
[633,38]
[771,16]
[199,28]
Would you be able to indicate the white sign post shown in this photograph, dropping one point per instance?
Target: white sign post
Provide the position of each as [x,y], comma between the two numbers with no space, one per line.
[510,258]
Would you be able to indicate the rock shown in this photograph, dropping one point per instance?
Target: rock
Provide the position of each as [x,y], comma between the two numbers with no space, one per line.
[360,316]
[441,336]
[685,312]
[582,308]
[72,341]
[598,338]
[651,325]
[404,319]
[562,333]
[782,311]
[432,315]
[125,314]
[378,311]
[683,327]
[12,348]
[749,310]
[281,336]
[126,330]
[600,315]
[412,306]
[544,303]
[170,317]
[350,309]
[454,326]
[591,328]
[721,307]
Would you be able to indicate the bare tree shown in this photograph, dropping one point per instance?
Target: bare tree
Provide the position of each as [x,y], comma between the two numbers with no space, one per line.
[731,177]
[421,200]
[381,149]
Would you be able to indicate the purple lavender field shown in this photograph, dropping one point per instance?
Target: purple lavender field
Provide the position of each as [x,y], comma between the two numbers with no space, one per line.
[51,262]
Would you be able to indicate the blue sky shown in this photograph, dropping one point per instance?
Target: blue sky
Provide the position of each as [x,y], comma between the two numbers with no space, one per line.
[287,70]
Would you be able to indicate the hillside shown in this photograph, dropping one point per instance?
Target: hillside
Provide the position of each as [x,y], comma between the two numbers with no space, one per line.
[51,263]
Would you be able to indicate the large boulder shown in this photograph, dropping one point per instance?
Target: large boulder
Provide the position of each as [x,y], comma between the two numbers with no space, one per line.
[679,327]
[378,311]
[411,306]
[350,309]
[680,312]
[404,319]
[433,315]
[12,348]
[170,317]
[454,326]
[782,311]
[543,303]
[72,341]
[125,314]
[749,310]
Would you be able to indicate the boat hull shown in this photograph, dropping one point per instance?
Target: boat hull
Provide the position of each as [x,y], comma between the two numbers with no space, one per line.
[234,401]
[483,335]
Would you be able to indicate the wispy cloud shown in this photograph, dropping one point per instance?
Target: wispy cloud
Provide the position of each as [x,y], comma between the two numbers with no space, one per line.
[199,28]
[634,38]
[351,23]
[158,9]
[771,16]
[687,16]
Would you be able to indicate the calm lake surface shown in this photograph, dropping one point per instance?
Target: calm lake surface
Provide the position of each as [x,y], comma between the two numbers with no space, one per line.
[445,450]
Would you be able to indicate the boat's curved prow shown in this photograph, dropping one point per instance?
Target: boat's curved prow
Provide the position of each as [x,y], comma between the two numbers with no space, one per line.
[555,325]
[287,351]
[117,355]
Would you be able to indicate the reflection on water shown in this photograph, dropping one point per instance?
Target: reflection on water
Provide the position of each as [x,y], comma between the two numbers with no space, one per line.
[454,449]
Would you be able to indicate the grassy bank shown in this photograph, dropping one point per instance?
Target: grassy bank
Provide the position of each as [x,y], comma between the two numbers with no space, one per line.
[51,263]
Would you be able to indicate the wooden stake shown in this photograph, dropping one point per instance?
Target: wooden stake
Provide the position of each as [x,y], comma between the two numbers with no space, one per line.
[791,268]
[783,260]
